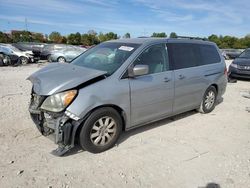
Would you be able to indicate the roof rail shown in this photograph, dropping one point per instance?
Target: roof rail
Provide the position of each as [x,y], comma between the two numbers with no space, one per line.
[194,38]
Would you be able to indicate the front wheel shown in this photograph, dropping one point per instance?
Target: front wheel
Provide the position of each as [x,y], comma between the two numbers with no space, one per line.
[61,59]
[209,100]
[24,60]
[101,130]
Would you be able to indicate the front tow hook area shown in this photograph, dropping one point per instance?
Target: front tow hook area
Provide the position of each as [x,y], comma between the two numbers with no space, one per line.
[61,150]
[68,132]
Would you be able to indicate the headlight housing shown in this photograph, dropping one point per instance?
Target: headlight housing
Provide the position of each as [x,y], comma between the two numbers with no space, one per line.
[59,101]
[234,65]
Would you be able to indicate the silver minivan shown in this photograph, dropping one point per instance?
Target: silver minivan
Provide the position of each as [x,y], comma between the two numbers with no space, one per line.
[122,84]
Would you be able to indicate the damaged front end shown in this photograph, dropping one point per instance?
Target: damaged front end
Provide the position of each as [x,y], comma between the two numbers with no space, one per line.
[55,87]
[58,126]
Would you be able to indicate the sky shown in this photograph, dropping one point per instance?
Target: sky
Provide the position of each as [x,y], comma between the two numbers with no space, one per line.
[199,18]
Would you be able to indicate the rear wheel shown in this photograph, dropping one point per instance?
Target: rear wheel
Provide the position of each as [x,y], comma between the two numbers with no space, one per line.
[6,60]
[61,59]
[209,100]
[1,60]
[49,58]
[101,130]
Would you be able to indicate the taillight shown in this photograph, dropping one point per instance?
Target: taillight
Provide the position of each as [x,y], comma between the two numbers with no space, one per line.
[225,71]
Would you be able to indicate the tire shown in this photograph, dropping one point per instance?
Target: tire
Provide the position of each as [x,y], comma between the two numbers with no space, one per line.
[24,60]
[94,136]
[6,60]
[208,101]
[61,59]
[49,58]
[231,79]
[1,61]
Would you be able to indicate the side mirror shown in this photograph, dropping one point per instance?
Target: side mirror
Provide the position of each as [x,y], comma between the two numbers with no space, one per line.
[138,70]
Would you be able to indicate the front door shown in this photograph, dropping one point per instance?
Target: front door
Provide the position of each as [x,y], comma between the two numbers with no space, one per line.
[152,94]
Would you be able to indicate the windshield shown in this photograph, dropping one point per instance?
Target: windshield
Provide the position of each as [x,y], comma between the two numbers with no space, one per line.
[245,54]
[107,56]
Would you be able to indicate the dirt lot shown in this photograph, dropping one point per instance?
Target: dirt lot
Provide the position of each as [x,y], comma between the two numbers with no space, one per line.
[190,150]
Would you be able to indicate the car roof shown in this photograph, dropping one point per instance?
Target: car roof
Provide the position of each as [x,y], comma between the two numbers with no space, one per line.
[148,40]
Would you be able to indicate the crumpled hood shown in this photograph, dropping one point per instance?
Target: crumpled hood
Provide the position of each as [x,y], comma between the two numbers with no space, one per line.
[242,61]
[57,77]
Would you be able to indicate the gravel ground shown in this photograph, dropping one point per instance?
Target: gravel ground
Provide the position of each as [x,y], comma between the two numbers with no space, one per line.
[189,150]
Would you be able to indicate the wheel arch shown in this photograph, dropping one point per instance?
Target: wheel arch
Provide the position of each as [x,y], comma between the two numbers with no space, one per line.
[61,56]
[23,57]
[216,87]
[115,107]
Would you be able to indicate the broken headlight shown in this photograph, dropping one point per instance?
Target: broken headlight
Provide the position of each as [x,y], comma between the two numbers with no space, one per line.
[59,101]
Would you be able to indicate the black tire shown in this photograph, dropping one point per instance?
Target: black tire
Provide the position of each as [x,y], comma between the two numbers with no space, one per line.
[5,59]
[205,107]
[1,61]
[231,79]
[88,127]
[61,59]
[47,57]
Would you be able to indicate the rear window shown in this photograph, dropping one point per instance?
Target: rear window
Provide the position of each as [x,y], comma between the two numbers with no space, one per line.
[185,55]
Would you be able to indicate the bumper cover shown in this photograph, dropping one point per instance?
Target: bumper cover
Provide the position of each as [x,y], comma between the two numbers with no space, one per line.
[239,73]
[56,126]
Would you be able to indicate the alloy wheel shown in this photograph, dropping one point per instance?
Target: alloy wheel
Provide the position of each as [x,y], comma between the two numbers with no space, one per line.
[61,60]
[103,131]
[24,60]
[209,100]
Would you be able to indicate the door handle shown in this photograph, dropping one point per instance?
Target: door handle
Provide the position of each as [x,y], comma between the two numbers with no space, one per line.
[166,79]
[181,77]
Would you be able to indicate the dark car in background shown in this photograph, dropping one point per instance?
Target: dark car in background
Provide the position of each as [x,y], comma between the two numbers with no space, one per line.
[10,59]
[231,53]
[240,67]
[13,56]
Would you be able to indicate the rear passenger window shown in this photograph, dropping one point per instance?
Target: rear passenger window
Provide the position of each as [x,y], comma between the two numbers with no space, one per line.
[185,55]
[209,54]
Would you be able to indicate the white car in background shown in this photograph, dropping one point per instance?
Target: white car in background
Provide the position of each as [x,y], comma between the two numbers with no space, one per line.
[25,57]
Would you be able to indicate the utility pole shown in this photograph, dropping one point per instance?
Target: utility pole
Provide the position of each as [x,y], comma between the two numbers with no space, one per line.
[144,32]
[26,24]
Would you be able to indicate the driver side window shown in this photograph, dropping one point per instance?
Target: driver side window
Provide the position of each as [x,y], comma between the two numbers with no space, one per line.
[155,57]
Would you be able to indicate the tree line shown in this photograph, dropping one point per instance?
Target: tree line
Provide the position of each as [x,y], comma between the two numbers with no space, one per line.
[92,38]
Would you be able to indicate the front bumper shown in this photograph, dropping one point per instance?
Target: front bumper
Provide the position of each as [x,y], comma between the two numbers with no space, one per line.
[31,59]
[56,126]
[239,73]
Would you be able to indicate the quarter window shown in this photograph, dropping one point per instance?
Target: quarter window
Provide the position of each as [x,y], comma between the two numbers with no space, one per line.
[209,54]
[185,55]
